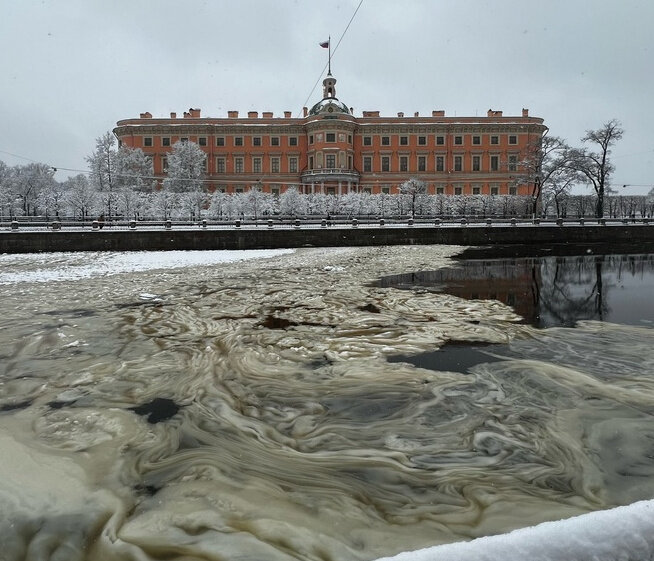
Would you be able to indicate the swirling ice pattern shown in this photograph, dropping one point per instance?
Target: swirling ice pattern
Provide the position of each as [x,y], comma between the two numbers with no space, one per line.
[294,437]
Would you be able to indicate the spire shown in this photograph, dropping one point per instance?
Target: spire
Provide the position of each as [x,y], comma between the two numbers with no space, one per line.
[329,87]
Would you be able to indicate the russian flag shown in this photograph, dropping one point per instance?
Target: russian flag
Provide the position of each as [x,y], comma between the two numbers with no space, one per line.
[325,44]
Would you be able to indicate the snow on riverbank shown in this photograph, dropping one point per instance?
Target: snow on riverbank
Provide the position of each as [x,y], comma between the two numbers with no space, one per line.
[621,533]
[38,267]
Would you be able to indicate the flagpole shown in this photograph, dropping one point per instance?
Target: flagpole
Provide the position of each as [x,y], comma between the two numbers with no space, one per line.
[329,43]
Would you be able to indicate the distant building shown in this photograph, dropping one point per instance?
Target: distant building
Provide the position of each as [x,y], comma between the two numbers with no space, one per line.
[329,150]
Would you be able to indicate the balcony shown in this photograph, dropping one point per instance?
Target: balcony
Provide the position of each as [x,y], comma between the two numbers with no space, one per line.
[319,175]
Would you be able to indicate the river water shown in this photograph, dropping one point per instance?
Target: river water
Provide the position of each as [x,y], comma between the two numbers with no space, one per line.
[274,408]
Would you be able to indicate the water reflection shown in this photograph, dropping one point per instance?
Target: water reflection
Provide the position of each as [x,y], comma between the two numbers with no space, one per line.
[551,291]
[248,411]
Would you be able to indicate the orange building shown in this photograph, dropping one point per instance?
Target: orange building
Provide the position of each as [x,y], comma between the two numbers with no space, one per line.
[329,150]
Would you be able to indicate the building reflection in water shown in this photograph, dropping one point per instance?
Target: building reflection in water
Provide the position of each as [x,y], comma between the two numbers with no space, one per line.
[550,291]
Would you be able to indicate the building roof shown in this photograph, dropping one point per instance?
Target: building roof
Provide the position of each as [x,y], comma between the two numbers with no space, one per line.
[329,105]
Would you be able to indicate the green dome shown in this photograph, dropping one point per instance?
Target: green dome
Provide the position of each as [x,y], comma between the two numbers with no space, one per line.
[329,105]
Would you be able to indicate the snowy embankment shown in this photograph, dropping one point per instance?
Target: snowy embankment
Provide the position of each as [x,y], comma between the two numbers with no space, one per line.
[620,534]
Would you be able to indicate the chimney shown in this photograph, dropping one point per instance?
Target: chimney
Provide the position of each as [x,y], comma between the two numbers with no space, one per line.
[492,113]
[253,114]
[267,115]
[195,113]
[439,113]
[232,114]
[305,111]
[525,112]
[173,115]
[371,113]
[400,114]
[416,114]
[187,115]
[287,114]
[146,115]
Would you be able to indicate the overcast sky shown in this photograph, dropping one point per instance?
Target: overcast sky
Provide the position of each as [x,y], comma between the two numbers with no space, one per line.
[71,68]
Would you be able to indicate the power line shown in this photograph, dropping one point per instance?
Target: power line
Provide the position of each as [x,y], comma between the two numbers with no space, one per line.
[333,52]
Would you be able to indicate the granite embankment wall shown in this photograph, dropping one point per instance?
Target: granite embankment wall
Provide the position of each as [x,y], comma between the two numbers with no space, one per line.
[634,236]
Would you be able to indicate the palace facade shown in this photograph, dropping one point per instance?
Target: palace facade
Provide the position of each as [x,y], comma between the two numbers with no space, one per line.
[329,150]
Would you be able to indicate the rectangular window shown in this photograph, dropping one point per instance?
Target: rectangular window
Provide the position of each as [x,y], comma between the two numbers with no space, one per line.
[220,141]
[292,140]
[274,191]
[310,139]
[330,137]
[386,190]
[256,141]
[238,165]
[476,139]
[386,163]
[513,191]
[202,141]
[349,139]
[476,163]
[440,190]
[513,163]
[274,165]
[458,163]
[238,189]
[147,141]
[458,190]
[476,191]
[495,163]
[165,141]
[404,163]
[367,141]
[330,161]
[164,164]
[495,139]
[458,140]
[292,165]
[404,141]
[494,190]
[422,163]
[220,165]
[422,141]
[183,139]
[256,165]
[310,162]
[367,163]
[440,140]
[513,139]
[440,163]
[386,140]
[274,141]
[238,141]
[367,190]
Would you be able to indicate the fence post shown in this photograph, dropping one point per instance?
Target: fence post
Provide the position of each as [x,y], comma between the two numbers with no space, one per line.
[464,221]
[559,221]
[270,223]
[513,222]
[355,223]
[489,222]
[95,225]
[437,222]
[132,224]
[168,224]
[382,222]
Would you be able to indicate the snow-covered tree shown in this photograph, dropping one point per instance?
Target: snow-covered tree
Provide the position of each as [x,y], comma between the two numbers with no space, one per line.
[217,205]
[7,198]
[186,167]
[133,169]
[28,184]
[596,166]
[81,197]
[414,188]
[103,165]
[291,203]
[257,202]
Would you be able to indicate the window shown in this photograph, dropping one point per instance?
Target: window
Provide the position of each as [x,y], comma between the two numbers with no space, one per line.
[202,141]
[404,163]
[404,140]
[495,190]
[183,139]
[440,163]
[495,163]
[513,191]
[440,140]
[310,162]
[330,160]
[422,141]
[274,191]
[386,163]
[256,141]
[386,140]
[440,190]
[238,141]
[367,190]
[476,139]
[220,141]
[458,140]
[367,163]
[330,137]
[476,191]
[513,163]
[274,165]
[164,164]
[367,141]
[256,165]
[238,165]
[422,163]
[147,141]
[292,140]
[513,139]
[458,190]
[386,190]
[292,165]
[476,163]
[165,141]
[274,141]
[238,189]
[349,139]
[220,165]
[495,139]
[458,163]
[310,139]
